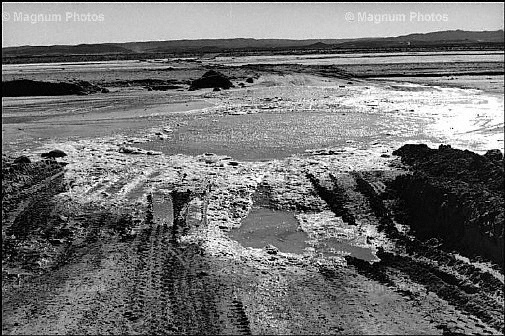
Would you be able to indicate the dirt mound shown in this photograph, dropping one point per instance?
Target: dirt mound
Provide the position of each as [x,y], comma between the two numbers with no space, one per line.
[473,290]
[22,159]
[25,87]
[55,153]
[211,79]
[455,195]
[494,155]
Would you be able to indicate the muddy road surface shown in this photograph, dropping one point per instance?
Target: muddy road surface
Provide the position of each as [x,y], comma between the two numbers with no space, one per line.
[289,205]
[168,256]
[95,276]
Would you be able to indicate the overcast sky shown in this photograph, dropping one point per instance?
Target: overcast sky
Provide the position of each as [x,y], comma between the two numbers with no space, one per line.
[76,23]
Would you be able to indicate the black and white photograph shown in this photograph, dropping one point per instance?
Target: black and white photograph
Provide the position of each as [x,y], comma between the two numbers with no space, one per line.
[253,168]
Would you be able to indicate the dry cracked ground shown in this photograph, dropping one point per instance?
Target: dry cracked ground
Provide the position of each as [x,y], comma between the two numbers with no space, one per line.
[259,210]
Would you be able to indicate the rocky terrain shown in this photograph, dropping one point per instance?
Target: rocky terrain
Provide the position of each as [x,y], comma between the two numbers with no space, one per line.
[297,204]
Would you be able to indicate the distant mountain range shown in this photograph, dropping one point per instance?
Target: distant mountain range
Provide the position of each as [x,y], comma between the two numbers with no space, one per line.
[434,39]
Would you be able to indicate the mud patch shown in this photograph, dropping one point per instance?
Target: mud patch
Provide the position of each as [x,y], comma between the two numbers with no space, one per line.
[264,227]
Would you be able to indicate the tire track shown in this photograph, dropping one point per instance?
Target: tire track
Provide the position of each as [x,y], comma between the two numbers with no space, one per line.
[428,266]
[152,284]
[171,289]
[335,196]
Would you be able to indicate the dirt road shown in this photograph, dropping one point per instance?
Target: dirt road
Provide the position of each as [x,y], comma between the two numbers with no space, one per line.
[171,268]
[256,225]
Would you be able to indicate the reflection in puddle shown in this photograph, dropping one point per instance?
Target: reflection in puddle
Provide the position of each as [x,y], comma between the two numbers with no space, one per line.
[163,209]
[264,226]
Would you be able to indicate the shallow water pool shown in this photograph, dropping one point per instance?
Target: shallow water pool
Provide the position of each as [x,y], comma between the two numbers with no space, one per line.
[265,226]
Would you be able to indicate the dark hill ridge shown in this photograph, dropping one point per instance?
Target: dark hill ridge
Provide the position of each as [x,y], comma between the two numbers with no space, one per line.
[319,45]
[202,45]
[443,38]
[456,35]
[64,49]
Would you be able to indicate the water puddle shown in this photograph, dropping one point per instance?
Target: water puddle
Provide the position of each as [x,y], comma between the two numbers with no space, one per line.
[265,226]
[337,247]
[163,211]
[267,135]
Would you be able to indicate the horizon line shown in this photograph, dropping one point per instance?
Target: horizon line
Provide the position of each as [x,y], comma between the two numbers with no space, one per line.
[252,38]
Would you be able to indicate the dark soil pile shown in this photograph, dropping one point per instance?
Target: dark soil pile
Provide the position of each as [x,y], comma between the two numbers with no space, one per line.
[211,79]
[455,195]
[55,153]
[473,290]
[25,87]
[28,227]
